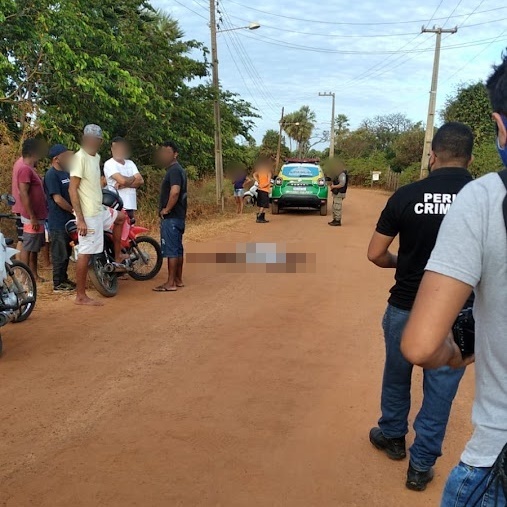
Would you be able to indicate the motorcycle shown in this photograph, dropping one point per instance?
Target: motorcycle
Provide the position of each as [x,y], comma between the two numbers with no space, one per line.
[144,253]
[18,290]
[250,196]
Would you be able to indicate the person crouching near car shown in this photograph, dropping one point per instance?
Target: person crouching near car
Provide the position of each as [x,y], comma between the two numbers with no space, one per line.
[56,185]
[263,172]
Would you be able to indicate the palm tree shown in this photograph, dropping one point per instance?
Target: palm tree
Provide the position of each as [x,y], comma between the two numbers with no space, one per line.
[299,126]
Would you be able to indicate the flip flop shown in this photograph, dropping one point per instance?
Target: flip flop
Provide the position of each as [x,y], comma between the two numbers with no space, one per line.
[163,289]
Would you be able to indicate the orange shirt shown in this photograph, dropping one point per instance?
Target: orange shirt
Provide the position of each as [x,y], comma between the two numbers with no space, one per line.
[264,181]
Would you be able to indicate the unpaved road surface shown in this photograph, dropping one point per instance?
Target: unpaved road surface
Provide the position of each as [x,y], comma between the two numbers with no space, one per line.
[242,389]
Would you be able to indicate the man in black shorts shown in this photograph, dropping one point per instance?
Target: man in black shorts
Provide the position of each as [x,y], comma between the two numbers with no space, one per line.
[173,213]
[262,174]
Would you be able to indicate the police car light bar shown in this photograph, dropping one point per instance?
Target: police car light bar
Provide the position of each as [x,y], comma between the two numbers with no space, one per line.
[302,160]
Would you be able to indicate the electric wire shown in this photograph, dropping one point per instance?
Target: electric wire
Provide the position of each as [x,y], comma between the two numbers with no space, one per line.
[349,23]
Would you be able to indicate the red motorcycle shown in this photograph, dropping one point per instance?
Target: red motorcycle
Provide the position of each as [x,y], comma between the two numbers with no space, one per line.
[144,254]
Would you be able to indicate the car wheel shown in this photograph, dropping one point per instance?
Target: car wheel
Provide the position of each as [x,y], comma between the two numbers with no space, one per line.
[275,209]
[323,210]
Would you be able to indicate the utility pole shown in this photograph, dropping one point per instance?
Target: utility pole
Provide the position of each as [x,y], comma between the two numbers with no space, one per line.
[219,169]
[279,149]
[331,145]
[430,123]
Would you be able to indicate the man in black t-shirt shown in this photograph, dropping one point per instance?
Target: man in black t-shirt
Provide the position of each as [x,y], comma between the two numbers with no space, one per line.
[56,186]
[415,213]
[173,212]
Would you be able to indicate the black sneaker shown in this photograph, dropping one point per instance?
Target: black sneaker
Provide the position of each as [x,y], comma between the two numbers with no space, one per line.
[393,447]
[335,223]
[261,219]
[63,287]
[417,481]
[70,283]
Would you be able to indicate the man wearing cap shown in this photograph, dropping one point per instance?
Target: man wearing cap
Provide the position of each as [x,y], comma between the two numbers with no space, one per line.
[92,218]
[56,185]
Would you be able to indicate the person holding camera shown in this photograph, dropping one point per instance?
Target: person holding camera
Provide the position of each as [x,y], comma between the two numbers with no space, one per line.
[471,254]
[415,213]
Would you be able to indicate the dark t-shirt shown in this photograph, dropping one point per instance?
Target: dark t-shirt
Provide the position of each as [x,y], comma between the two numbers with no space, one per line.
[239,181]
[175,175]
[415,212]
[57,183]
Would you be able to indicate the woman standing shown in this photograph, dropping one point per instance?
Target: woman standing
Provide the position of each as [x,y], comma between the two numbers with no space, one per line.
[239,179]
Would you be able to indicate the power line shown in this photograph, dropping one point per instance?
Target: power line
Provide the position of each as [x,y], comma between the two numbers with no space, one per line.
[351,23]
[190,9]
[248,64]
[278,42]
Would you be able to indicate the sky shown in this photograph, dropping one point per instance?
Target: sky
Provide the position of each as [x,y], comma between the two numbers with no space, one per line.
[372,55]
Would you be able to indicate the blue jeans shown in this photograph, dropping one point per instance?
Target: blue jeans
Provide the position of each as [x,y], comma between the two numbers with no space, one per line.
[472,487]
[171,237]
[439,388]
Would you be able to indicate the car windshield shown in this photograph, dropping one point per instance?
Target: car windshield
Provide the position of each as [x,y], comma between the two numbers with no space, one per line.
[301,171]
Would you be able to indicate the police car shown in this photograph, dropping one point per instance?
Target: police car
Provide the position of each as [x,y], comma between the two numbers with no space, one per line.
[301,183]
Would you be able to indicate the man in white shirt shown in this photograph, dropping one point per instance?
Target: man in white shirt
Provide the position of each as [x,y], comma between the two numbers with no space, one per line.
[122,175]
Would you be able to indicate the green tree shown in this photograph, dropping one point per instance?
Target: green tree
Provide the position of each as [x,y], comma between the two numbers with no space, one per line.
[470,105]
[407,148]
[299,126]
[269,145]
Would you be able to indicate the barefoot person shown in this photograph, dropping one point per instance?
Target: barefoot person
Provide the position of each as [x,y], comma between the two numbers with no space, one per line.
[173,212]
[92,217]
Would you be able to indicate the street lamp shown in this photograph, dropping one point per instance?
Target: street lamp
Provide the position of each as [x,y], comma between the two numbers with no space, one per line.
[219,164]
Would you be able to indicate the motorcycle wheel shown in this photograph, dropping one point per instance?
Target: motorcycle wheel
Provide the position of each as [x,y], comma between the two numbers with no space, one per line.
[148,260]
[249,200]
[24,277]
[105,283]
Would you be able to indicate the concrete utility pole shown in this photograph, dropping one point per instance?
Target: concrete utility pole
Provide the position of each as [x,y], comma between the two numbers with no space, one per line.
[430,122]
[331,145]
[219,165]
[279,148]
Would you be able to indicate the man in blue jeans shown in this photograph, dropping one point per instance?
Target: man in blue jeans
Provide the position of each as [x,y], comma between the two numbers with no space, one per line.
[471,254]
[415,213]
[173,212]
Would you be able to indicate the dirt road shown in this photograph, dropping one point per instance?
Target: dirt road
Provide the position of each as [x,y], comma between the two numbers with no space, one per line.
[248,389]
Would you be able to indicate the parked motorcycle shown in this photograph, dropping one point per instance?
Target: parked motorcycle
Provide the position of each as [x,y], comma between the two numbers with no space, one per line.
[18,291]
[145,255]
[250,196]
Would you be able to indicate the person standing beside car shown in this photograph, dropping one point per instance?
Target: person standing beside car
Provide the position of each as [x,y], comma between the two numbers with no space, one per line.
[56,185]
[263,173]
[122,175]
[338,188]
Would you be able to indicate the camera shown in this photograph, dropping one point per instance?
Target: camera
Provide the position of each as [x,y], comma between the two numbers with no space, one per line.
[463,332]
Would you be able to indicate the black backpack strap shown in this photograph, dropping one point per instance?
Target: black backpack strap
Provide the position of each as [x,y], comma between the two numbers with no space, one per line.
[503,177]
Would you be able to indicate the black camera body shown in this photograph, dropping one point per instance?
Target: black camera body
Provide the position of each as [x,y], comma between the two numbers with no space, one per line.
[463,332]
